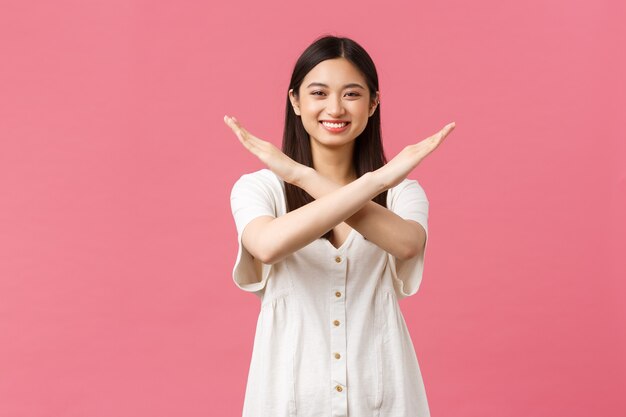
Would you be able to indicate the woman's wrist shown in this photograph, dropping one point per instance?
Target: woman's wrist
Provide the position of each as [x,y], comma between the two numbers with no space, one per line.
[306,175]
[303,174]
[377,178]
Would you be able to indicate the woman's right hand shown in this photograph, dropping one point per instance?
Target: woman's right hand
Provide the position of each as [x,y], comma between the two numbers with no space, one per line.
[279,163]
[396,170]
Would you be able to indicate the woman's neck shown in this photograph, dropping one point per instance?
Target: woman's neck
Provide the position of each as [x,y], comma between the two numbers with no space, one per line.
[335,163]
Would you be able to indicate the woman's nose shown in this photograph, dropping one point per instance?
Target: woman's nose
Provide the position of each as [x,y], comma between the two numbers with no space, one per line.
[334,107]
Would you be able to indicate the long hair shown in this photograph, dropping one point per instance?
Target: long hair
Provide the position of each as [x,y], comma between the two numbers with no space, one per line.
[368,148]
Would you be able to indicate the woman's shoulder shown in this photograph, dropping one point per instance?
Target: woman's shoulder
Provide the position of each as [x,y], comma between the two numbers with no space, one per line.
[407,183]
[263,181]
[264,175]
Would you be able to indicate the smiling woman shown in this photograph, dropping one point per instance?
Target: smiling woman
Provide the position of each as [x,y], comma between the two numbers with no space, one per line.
[333,95]
[333,104]
[331,339]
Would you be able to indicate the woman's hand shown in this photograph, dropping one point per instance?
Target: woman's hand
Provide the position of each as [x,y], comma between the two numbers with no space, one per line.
[396,170]
[279,163]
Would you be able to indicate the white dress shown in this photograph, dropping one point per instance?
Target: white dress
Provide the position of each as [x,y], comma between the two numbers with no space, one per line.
[330,337]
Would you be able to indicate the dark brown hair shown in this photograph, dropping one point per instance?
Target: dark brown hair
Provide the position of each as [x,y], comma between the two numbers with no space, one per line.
[368,153]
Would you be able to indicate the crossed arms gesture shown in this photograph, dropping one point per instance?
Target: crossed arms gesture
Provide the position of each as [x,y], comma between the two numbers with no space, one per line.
[271,239]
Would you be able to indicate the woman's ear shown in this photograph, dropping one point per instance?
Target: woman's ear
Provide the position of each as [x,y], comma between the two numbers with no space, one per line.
[374,104]
[294,102]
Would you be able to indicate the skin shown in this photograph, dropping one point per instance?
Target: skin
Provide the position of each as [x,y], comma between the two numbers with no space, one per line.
[332,152]
[342,201]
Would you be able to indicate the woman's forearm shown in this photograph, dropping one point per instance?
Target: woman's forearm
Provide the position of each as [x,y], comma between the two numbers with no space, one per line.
[296,229]
[379,225]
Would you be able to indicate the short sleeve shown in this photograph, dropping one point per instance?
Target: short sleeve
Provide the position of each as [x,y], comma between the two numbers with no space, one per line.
[409,201]
[251,196]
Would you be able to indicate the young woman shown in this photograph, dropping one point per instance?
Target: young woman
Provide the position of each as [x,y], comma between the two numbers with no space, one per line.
[331,236]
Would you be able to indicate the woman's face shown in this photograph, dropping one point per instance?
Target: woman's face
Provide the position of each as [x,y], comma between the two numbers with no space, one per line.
[334,90]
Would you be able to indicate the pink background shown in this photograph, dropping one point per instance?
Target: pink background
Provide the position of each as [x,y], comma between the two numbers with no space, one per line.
[117,242]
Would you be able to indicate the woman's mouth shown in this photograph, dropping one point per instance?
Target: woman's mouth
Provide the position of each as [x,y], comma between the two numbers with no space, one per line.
[335,127]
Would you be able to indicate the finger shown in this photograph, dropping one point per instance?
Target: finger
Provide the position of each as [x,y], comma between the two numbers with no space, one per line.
[251,142]
[236,129]
[245,135]
[229,122]
[441,135]
[235,126]
[246,139]
[447,129]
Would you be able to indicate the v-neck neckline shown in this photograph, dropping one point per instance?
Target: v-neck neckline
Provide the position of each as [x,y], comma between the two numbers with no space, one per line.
[326,241]
[345,242]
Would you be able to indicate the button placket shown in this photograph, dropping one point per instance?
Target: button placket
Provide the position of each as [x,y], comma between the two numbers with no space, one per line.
[338,336]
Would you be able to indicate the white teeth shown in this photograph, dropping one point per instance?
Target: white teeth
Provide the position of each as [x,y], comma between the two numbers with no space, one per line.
[334,125]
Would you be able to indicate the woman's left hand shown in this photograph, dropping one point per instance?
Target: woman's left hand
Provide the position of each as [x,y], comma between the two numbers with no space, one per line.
[396,170]
[279,163]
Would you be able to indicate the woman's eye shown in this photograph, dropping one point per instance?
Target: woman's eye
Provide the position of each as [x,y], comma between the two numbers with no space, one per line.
[315,93]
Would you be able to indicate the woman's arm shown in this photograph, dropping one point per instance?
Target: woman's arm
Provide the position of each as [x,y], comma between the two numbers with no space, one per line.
[400,237]
[275,238]
[271,239]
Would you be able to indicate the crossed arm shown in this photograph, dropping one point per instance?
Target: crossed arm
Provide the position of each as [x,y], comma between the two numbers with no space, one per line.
[271,239]
[400,237]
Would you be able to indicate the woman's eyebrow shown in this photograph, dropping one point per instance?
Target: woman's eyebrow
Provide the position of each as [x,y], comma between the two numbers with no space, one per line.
[314,84]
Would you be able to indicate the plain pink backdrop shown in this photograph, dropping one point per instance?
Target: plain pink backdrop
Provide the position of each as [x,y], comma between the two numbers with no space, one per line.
[117,242]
